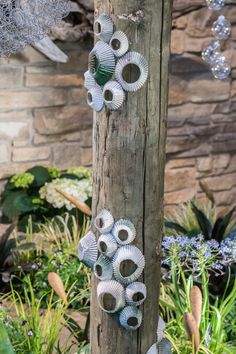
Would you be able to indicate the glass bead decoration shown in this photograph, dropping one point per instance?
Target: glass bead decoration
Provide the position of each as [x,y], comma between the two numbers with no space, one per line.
[221,28]
[221,68]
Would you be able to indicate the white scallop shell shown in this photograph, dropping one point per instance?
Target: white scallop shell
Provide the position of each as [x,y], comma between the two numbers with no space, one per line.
[89,81]
[103,27]
[115,289]
[119,43]
[106,219]
[138,289]
[95,98]
[124,225]
[124,253]
[87,249]
[164,347]
[103,268]
[138,60]
[107,245]
[113,95]
[130,313]
[160,329]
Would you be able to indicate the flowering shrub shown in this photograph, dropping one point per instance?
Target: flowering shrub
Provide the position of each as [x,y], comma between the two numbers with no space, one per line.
[22,180]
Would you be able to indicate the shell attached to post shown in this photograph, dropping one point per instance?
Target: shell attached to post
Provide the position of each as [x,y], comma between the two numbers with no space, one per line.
[113,95]
[164,347]
[87,249]
[135,67]
[103,27]
[101,62]
[89,81]
[104,221]
[111,296]
[128,264]
[107,245]
[124,232]
[131,318]
[103,268]
[119,43]
[135,293]
[95,98]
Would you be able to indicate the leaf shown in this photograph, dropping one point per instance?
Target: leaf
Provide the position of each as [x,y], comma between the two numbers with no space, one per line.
[41,176]
[5,343]
[203,222]
[232,234]
[174,226]
[5,236]
[16,204]
[85,350]
[221,225]
[26,246]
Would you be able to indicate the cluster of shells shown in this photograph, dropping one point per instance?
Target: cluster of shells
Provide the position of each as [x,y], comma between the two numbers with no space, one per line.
[108,62]
[118,264]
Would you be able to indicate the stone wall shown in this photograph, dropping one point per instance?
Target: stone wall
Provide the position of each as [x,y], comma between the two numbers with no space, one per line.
[44,118]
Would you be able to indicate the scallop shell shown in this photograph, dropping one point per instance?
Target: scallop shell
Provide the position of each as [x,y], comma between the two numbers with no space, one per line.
[104,221]
[137,60]
[113,95]
[160,329]
[103,27]
[164,347]
[107,245]
[95,98]
[116,290]
[130,318]
[135,289]
[89,81]
[128,253]
[124,226]
[103,268]
[119,43]
[102,62]
[87,250]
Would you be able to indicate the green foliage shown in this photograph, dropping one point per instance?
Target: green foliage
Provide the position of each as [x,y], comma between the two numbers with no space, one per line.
[5,343]
[22,180]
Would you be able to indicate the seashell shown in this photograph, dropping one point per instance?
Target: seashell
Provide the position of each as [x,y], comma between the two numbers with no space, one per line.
[102,62]
[95,98]
[113,95]
[87,250]
[196,304]
[111,296]
[135,293]
[58,286]
[124,231]
[103,27]
[130,318]
[160,329]
[119,43]
[107,245]
[192,330]
[128,264]
[103,268]
[89,81]
[139,68]
[164,347]
[104,221]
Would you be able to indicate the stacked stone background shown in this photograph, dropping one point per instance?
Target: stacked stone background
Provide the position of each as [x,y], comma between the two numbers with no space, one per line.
[44,118]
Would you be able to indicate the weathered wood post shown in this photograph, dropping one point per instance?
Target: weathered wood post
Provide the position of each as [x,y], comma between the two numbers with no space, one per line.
[129,160]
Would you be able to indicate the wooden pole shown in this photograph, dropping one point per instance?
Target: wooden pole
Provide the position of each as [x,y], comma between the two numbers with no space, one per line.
[129,160]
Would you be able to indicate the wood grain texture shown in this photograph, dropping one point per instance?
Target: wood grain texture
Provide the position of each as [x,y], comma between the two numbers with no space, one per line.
[129,160]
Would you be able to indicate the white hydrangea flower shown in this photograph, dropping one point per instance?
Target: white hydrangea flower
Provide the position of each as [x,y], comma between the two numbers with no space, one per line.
[79,189]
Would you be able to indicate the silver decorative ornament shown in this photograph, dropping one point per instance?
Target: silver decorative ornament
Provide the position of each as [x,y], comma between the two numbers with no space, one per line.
[101,62]
[128,255]
[160,329]
[164,347]
[221,68]
[221,28]
[124,232]
[113,95]
[135,293]
[107,245]
[134,64]
[119,43]
[130,318]
[215,5]
[95,98]
[103,268]
[111,296]
[103,27]
[89,81]
[104,221]
[211,53]
[87,249]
